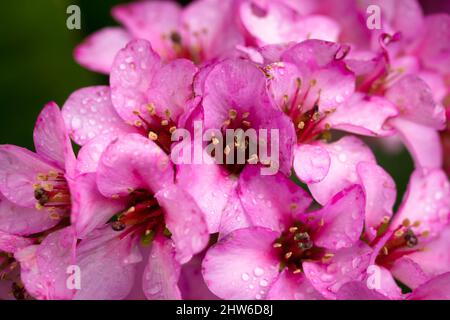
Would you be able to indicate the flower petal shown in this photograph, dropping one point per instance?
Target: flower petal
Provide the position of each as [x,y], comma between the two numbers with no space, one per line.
[160,279]
[422,142]
[437,288]
[19,220]
[358,290]
[290,286]
[19,169]
[427,200]
[88,113]
[342,219]
[11,243]
[133,162]
[197,180]
[311,162]
[347,265]
[363,115]
[90,209]
[153,21]
[414,99]
[131,76]
[380,191]
[51,139]
[185,221]
[242,266]
[43,267]
[271,201]
[107,265]
[97,52]
[345,155]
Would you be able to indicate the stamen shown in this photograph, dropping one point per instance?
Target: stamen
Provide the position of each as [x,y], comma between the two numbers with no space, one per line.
[152,136]
[232,114]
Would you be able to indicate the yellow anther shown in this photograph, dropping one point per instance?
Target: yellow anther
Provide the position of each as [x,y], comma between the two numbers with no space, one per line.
[288,255]
[172,129]
[152,136]
[232,113]
[164,122]
[293,229]
[151,108]
[301,125]
[406,223]
[277,245]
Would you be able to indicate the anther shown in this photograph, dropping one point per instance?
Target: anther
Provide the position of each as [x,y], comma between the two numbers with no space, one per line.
[277,245]
[293,230]
[288,255]
[301,125]
[152,136]
[232,114]
[164,122]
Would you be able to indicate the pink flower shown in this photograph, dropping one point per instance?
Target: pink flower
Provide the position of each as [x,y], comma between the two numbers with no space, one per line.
[35,188]
[147,218]
[288,253]
[281,21]
[204,30]
[146,96]
[234,97]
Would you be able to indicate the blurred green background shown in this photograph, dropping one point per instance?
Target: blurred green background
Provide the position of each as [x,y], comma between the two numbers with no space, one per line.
[37,66]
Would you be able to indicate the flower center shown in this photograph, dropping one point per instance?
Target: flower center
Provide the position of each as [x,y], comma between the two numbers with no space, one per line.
[403,241]
[52,193]
[144,217]
[158,128]
[239,148]
[295,246]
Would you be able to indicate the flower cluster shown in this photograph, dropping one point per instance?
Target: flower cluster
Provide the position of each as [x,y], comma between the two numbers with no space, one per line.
[314,218]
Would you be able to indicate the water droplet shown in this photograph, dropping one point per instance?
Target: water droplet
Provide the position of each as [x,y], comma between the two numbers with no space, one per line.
[258,272]
[245,277]
[263,283]
[75,123]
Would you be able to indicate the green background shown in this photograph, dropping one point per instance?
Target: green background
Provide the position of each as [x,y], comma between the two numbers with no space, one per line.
[37,66]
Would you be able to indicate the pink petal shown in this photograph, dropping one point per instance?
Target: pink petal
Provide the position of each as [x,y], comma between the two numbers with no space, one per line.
[409,272]
[185,221]
[131,76]
[197,180]
[51,138]
[242,266]
[311,162]
[11,243]
[271,201]
[89,113]
[380,191]
[358,290]
[434,250]
[19,169]
[90,209]
[342,219]
[133,162]
[160,279]
[290,286]
[423,143]
[347,265]
[171,88]
[212,27]
[363,115]
[89,155]
[107,266]
[276,23]
[234,216]
[427,200]
[232,84]
[414,99]
[434,49]
[153,21]
[437,288]
[97,52]
[19,220]
[192,285]
[345,155]
[43,267]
